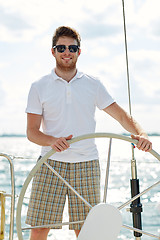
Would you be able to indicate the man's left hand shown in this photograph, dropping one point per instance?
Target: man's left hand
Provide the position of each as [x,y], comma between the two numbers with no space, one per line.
[143,143]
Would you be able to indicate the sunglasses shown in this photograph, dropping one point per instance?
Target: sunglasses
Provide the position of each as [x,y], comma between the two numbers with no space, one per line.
[62,48]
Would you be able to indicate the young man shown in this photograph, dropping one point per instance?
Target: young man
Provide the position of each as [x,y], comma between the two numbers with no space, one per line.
[64,103]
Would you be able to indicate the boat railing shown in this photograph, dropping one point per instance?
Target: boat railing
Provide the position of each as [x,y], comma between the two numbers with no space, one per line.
[3,195]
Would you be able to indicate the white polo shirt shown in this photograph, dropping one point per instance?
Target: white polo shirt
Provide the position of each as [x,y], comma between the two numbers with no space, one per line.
[69,108]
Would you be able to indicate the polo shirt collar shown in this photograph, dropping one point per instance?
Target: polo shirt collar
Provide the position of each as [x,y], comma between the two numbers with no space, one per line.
[77,76]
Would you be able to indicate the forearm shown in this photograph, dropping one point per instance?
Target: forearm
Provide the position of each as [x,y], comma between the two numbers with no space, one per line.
[58,144]
[131,125]
[127,121]
[38,137]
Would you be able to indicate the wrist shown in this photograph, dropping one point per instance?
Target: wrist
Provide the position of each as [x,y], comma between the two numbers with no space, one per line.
[50,140]
[143,134]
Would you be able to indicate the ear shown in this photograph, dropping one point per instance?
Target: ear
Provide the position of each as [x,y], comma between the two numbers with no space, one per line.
[53,52]
[79,52]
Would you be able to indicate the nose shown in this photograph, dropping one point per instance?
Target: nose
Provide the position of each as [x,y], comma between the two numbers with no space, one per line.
[67,50]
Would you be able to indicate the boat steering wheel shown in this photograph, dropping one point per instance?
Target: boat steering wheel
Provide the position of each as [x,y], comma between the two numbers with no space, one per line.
[51,152]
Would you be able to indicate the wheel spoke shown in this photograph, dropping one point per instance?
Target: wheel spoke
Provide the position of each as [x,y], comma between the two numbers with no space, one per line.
[138,195]
[140,231]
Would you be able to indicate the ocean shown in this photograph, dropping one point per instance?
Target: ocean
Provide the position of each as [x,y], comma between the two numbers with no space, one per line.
[25,154]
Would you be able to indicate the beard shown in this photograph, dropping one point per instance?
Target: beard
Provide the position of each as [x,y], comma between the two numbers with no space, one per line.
[65,67]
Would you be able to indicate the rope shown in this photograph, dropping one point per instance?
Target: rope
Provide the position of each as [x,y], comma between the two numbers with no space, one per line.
[127,65]
[133,162]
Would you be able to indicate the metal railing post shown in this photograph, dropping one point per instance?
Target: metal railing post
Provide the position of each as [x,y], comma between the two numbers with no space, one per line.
[12,195]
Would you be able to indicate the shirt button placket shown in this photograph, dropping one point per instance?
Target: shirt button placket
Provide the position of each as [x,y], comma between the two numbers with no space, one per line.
[68,93]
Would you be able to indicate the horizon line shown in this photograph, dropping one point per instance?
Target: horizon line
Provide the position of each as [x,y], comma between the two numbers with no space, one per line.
[24,135]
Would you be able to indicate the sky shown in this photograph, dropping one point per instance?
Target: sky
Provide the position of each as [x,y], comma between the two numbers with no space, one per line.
[26,29]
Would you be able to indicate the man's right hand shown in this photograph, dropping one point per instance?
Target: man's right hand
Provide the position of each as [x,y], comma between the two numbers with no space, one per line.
[35,135]
[61,144]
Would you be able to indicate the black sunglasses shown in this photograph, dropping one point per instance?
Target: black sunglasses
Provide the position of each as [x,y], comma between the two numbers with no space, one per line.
[62,48]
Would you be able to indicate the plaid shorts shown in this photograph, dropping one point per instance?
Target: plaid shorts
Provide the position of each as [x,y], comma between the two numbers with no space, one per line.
[48,193]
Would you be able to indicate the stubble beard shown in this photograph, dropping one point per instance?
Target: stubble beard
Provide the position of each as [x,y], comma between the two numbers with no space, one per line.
[65,67]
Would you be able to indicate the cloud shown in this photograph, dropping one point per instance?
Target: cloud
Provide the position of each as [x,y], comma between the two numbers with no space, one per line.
[145,69]
[11,21]
[142,19]
[23,20]
[102,6]
[148,116]
[95,29]
[2,94]
[155,30]
[13,26]
[148,12]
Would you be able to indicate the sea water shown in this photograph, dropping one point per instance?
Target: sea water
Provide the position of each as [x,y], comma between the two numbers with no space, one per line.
[25,153]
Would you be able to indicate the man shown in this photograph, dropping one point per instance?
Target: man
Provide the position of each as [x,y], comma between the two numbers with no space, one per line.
[64,103]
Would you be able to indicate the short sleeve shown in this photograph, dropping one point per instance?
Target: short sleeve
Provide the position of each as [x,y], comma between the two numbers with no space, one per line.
[103,98]
[34,104]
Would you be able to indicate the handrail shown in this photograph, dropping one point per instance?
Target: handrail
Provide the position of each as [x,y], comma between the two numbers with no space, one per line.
[50,153]
[12,195]
[2,225]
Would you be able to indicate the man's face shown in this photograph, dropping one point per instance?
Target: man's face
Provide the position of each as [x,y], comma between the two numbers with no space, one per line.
[66,60]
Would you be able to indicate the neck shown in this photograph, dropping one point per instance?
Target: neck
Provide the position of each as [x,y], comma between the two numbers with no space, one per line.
[66,74]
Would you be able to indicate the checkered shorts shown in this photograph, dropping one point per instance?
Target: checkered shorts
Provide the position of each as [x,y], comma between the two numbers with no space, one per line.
[48,193]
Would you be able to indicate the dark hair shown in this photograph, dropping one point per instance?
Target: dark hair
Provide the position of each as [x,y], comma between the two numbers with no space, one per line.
[65,32]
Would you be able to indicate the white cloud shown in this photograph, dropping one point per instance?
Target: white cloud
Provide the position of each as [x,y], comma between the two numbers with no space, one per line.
[141,13]
[3,65]
[149,11]
[147,116]
[146,72]
[23,20]
[98,7]
[3,95]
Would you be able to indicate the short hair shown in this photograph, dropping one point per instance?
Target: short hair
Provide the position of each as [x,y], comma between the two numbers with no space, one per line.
[65,32]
